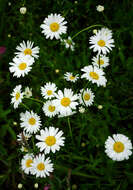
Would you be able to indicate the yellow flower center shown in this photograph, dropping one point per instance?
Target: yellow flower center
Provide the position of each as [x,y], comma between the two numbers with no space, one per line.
[65,102]
[50,140]
[41,166]
[86,96]
[28,163]
[27,51]
[32,121]
[54,27]
[72,77]
[51,108]
[94,75]
[17,95]
[22,66]
[101,62]
[49,92]
[118,147]
[101,43]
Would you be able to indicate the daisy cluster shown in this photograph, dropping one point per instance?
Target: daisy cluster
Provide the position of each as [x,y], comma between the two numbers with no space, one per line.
[60,103]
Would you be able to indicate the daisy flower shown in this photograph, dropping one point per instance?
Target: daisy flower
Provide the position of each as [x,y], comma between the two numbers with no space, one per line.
[41,167]
[67,114]
[86,97]
[26,48]
[23,136]
[26,163]
[66,101]
[53,26]
[48,91]
[17,96]
[106,31]
[28,92]
[70,77]
[95,75]
[118,148]
[68,43]
[30,121]
[50,140]
[21,66]
[102,62]
[101,43]
[100,8]
[50,109]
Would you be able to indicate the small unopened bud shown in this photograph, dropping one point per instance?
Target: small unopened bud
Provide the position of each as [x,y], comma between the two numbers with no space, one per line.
[57,70]
[83,144]
[23,10]
[74,187]
[94,31]
[100,8]
[36,185]
[100,107]
[15,123]
[81,109]
[20,186]
[9,35]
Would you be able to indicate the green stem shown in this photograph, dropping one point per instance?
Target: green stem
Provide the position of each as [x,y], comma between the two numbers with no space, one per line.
[36,100]
[87,28]
[70,128]
[25,106]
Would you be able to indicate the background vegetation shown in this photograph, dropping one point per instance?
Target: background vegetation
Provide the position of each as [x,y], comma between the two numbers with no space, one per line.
[82,163]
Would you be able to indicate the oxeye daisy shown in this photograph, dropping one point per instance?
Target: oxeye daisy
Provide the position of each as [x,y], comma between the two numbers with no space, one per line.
[21,66]
[50,109]
[101,61]
[53,26]
[66,101]
[41,167]
[106,32]
[70,77]
[17,96]
[30,121]
[68,43]
[26,163]
[48,91]
[51,140]
[28,92]
[26,48]
[86,97]
[95,75]
[118,148]
[23,136]
[101,42]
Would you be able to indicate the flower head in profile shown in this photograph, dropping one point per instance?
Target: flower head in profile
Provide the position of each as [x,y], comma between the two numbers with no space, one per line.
[100,8]
[95,75]
[68,43]
[53,26]
[17,96]
[28,92]
[118,148]
[21,66]
[70,77]
[26,48]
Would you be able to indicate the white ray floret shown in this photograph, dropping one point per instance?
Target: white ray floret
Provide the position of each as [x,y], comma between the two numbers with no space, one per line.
[66,101]
[21,66]
[68,43]
[41,167]
[50,109]
[48,91]
[26,163]
[53,26]
[17,96]
[95,75]
[101,42]
[26,48]
[70,77]
[30,121]
[86,97]
[101,61]
[119,147]
[50,140]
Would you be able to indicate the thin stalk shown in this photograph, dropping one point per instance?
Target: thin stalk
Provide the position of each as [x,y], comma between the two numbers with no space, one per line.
[36,100]
[25,106]
[87,28]
[68,120]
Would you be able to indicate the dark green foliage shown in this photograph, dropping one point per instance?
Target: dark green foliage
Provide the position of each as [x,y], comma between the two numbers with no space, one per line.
[76,167]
